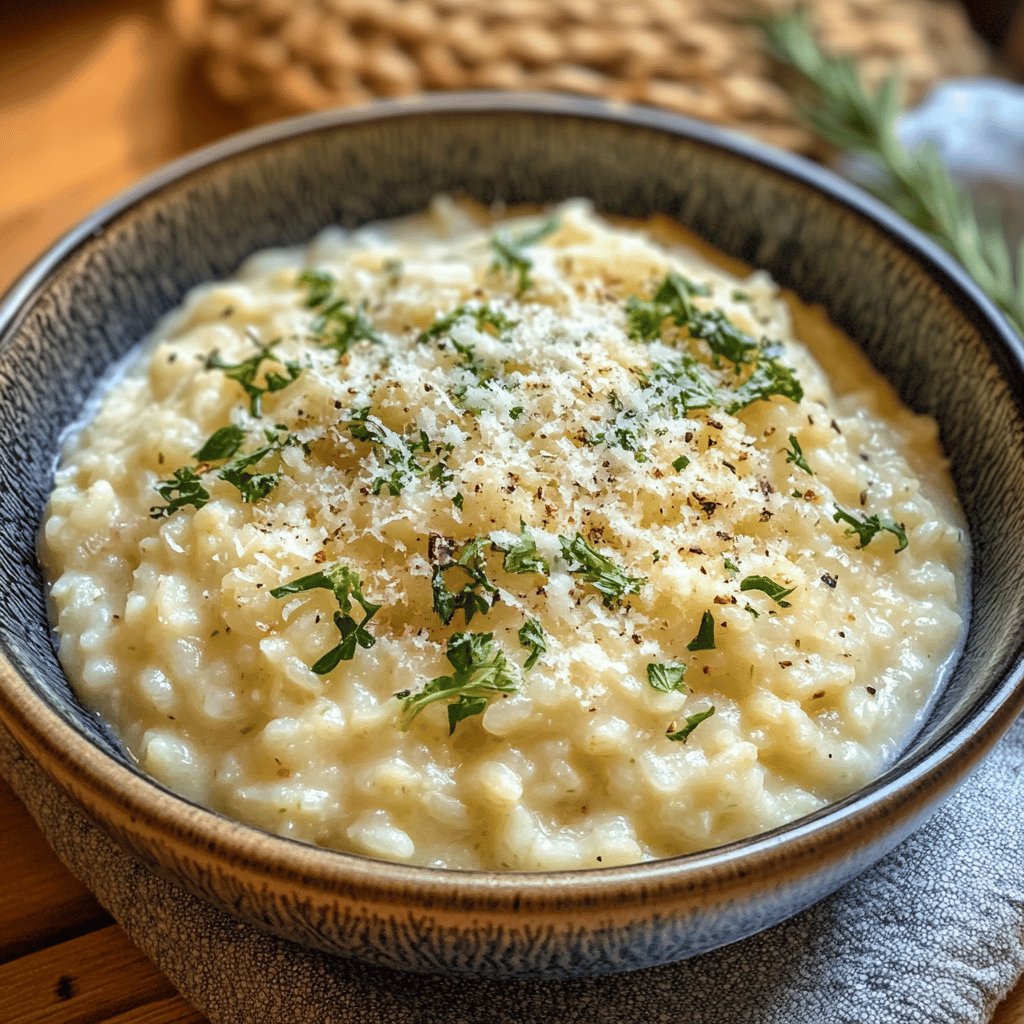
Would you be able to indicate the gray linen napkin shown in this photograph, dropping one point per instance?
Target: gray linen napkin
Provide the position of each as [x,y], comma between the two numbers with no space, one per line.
[934,933]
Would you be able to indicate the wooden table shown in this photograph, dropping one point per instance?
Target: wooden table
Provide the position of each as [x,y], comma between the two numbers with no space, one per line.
[92,96]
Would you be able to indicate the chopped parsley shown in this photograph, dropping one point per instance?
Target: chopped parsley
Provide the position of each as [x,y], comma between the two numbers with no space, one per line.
[481,671]
[344,583]
[510,254]
[253,486]
[691,723]
[795,454]
[482,316]
[611,582]
[723,337]
[469,362]
[247,372]
[680,386]
[185,487]
[468,563]
[673,298]
[319,287]
[705,638]
[532,636]
[770,377]
[521,556]
[400,453]
[439,472]
[768,586]
[869,527]
[221,444]
[515,412]
[628,438]
[680,464]
[729,564]
[338,326]
[667,677]
[673,301]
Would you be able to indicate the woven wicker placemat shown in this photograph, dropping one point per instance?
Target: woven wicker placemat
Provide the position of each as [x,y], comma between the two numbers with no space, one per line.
[699,57]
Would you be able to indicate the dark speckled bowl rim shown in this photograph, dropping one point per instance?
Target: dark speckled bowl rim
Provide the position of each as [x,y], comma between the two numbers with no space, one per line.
[152,805]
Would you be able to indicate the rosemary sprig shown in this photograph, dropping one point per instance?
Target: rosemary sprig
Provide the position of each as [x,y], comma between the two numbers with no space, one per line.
[852,117]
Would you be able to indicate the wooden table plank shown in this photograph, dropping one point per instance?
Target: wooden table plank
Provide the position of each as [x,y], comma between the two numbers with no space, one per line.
[94,93]
[45,904]
[92,978]
[164,1011]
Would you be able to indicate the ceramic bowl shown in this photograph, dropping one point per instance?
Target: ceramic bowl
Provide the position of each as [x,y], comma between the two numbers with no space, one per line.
[921,321]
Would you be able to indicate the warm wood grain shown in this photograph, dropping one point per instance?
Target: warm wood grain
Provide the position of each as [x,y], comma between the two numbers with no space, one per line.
[42,902]
[91,978]
[163,1011]
[93,94]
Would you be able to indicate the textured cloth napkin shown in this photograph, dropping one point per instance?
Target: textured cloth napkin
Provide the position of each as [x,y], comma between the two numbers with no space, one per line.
[934,933]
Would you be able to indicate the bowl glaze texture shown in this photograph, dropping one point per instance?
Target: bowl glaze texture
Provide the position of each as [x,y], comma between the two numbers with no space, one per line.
[921,321]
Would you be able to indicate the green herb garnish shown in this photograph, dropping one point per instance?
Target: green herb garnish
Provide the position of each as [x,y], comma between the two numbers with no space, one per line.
[705,638]
[532,636]
[685,384]
[667,677]
[692,721]
[722,336]
[869,527]
[319,287]
[338,326]
[629,438]
[510,255]
[482,316]
[399,452]
[469,563]
[915,182]
[344,583]
[254,486]
[185,487]
[247,371]
[770,377]
[795,455]
[611,582]
[672,299]
[339,329]
[680,464]
[481,671]
[521,556]
[768,586]
[221,444]
[680,386]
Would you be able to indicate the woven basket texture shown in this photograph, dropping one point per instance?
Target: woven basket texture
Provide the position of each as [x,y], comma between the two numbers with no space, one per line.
[698,57]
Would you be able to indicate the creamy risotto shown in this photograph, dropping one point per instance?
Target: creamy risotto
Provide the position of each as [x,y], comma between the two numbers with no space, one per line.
[540,543]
